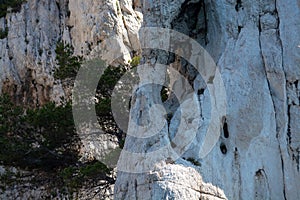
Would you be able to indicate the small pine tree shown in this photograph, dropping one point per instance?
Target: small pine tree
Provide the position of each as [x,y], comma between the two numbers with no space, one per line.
[68,63]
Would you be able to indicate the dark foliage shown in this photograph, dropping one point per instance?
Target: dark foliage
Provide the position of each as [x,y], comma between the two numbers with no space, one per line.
[68,63]
[15,5]
[39,138]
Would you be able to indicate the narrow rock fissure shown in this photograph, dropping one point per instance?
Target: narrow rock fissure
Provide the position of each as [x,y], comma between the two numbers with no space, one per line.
[262,186]
[265,69]
[272,95]
[284,184]
[135,189]
[289,134]
[205,22]
[282,61]
[238,5]
[296,158]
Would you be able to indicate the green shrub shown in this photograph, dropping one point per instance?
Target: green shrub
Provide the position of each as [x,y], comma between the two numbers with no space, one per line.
[70,177]
[122,143]
[67,62]
[55,123]
[74,177]
[135,61]
[10,115]
[11,124]
[15,5]
[105,87]
[109,79]
[103,107]
[51,128]
[93,169]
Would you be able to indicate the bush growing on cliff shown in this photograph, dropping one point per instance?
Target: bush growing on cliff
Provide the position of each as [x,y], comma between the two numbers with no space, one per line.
[67,62]
[74,177]
[135,61]
[15,6]
[106,84]
[44,139]
[36,138]
[10,116]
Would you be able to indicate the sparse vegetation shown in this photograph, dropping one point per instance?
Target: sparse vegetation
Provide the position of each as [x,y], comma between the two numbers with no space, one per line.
[74,176]
[105,88]
[15,6]
[44,139]
[103,107]
[36,138]
[68,68]
[135,61]
[67,62]
[109,79]
[118,8]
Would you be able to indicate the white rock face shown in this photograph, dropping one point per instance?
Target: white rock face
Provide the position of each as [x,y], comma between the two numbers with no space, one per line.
[258,77]
[256,45]
[170,182]
[257,156]
[27,53]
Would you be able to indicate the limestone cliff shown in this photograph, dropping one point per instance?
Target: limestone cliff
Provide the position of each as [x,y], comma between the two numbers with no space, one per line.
[256,45]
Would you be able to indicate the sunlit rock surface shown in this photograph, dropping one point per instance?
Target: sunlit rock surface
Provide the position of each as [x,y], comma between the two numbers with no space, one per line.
[256,45]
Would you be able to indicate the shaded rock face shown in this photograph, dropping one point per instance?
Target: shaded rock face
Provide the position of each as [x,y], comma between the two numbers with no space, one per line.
[20,184]
[256,46]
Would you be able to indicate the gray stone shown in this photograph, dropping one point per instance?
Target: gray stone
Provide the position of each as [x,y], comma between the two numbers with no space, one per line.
[256,46]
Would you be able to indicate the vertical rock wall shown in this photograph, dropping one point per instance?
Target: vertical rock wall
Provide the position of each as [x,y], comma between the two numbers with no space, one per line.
[256,45]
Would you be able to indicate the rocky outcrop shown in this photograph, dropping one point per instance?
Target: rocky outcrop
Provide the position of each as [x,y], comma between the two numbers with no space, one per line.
[170,182]
[256,47]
